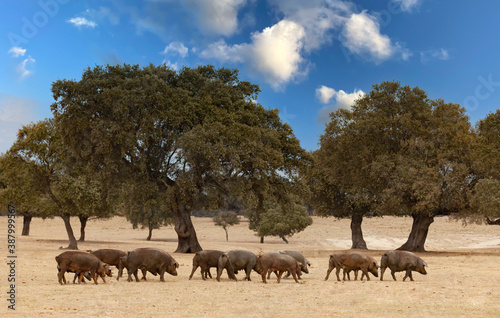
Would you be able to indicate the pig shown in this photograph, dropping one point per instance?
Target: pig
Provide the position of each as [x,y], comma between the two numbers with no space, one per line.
[210,258]
[349,261]
[280,263]
[239,260]
[86,275]
[299,257]
[81,261]
[111,257]
[399,261]
[154,260]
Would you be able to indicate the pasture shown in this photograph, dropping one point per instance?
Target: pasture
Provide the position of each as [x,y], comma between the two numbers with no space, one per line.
[463,275]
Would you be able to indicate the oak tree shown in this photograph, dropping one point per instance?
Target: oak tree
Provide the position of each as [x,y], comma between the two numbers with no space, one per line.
[197,135]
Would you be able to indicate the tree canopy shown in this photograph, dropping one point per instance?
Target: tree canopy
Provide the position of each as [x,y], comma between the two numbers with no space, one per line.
[193,136]
[396,152]
[226,219]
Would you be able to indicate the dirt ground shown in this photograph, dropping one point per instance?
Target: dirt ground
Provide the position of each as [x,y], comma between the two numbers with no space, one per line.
[463,275]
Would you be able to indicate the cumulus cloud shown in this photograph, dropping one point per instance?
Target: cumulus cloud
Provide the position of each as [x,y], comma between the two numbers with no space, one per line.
[22,68]
[361,35]
[434,54]
[217,16]
[325,94]
[341,100]
[408,5]
[318,18]
[82,22]
[274,53]
[16,51]
[176,47]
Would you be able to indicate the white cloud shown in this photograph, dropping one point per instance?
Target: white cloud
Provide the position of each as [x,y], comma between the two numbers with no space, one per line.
[408,5]
[176,47]
[16,51]
[325,94]
[361,35]
[342,100]
[174,66]
[22,70]
[434,54]
[82,22]
[318,18]
[275,53]
[223,52]
[217,16]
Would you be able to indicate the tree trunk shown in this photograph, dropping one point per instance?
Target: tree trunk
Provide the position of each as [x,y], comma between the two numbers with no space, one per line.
[150,233]
[83,224]
[261,240]
[490,222]
[227,237]
[356,233]
[418,234]
[72,240]
[187,242]
[26,224]
[284,239]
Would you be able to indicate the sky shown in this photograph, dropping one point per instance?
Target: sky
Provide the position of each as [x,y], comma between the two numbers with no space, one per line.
[309,57]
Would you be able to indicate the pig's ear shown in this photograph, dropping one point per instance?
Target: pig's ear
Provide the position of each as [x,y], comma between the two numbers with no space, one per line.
[425,264]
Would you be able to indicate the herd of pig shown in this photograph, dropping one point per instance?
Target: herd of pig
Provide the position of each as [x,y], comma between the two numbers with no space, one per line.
[91,265]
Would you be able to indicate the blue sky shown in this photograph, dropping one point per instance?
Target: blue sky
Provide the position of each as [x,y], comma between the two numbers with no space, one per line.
[308,56]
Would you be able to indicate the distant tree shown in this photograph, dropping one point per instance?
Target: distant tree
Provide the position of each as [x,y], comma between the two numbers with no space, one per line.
[226,219]
[18,186]
[47,182]
[283,220]
[395,152]
[196,134]
[143,207]
[485,196]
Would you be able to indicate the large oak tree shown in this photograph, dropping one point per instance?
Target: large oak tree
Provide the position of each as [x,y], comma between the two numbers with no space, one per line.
[195,136]
[396,152]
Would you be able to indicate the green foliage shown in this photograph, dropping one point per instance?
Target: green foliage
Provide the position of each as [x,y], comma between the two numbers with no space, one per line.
[486,199]
[193,137]
[283,220]
[226,219]
[394,152]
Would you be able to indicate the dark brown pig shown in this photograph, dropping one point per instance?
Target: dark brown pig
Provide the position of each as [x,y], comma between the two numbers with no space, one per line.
[153,260]
[280,263]
[239,259]
[111,257]
[207,259]
[86,275]
[349,261]
[399,261]
[81,261]
[299,257]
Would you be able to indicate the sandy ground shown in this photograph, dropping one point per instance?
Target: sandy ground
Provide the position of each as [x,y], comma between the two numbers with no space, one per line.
[463,275]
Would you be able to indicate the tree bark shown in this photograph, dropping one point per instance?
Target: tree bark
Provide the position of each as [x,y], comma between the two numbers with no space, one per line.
[187,242]
[261,240]
[26,224]
[83,224]
[150,233]
[73,245]
[284,239]
[357,233]
[418,234]
[227,237]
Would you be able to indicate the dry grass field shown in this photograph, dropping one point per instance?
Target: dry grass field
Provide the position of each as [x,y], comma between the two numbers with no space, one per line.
[463,275]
